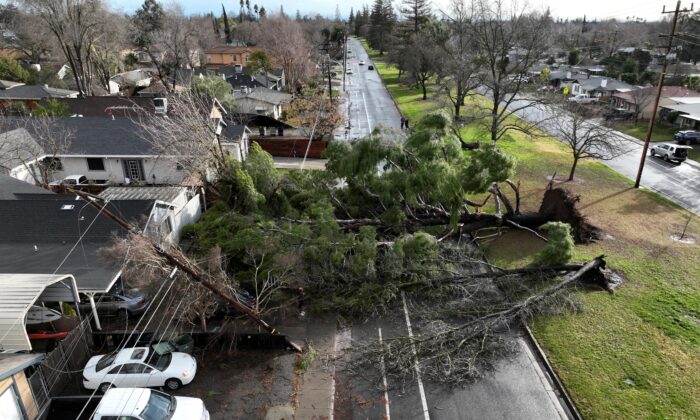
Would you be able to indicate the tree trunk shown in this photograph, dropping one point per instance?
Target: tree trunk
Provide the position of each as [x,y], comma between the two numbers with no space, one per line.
[494,119]
[457,108]
[425,92]
[203,322]
[573,169]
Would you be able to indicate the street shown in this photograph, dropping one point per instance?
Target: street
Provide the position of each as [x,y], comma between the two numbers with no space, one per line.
[678,183]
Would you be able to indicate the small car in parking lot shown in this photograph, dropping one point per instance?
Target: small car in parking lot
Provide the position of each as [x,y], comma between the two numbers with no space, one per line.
[140,367]
[148,404]
[670,152]
[687,137]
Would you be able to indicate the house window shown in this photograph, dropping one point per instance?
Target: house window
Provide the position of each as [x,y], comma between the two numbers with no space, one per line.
[96,164]
[179,167]
[52,163]
[9,405]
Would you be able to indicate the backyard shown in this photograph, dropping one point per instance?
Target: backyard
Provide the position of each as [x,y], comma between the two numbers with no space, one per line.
[632,353]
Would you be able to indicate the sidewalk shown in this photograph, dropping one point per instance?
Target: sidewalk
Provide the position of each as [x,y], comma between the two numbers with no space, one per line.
[316,385]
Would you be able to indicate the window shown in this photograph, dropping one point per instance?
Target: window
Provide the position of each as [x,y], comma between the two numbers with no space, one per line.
[159,406]
[179,167]
[105,361]
[96,164]
[118,369]
[138,354]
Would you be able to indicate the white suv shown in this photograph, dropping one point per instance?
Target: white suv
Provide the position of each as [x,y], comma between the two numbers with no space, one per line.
[670,152]
[148,404]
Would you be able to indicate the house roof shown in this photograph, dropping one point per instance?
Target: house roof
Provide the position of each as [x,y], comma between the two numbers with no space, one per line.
[240,80]
[258,120]
[95,136]
[34,92]
[17,145]
[596,83]
[11,363]
[691,109]
[36,235]
[167,194]
[19,293]
[7,84]
[234,132]
[266,95]
[14,189]
[228,49]
[105,106]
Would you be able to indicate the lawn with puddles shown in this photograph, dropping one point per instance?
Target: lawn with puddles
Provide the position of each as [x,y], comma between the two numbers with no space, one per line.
[631,354]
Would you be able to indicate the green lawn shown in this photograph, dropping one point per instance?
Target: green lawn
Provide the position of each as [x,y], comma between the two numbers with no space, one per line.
[634,353]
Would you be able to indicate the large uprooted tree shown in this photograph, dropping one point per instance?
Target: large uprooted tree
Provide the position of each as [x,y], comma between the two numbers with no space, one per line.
[394,216]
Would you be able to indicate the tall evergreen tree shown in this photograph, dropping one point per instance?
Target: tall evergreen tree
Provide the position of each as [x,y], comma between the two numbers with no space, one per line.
[217,26]
[147,21]
[298,18]
[381,24]
[240,11]
[416,12]
[227,27]
[262,12]
[351,18]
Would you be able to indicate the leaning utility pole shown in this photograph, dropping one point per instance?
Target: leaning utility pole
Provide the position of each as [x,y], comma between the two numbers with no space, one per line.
[650,129]
[345,56]
[192,272]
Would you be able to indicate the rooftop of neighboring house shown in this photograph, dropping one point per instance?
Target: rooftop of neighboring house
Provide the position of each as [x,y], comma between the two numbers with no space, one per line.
[37,232]
[235,131]
[240,81]
[690,109]
[20,91]
[605,83]
[106,106]
[675,93]
[228,49]
[166,194]
[91,136]
[265,95]
[14,189]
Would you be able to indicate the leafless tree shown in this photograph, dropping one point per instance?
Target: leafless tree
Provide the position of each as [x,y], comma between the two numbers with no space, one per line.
[77,26]
[284,41]
[586,139]
[35,143]
[31,36]
[507,41]
[106,52]
[187,136]
[641,99]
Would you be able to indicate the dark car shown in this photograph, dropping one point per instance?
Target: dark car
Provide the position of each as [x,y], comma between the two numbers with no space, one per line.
[687,137]
[370,67]
[618,114]
[115,304]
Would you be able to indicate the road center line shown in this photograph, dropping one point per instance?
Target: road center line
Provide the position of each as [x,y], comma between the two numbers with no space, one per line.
[421,390]
[386,386]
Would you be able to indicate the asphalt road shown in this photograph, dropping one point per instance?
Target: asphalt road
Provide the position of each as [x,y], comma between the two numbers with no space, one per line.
[679,183]
[367,101]
[517,389]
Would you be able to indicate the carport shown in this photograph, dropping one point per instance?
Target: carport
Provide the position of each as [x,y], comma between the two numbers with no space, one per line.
[19,293]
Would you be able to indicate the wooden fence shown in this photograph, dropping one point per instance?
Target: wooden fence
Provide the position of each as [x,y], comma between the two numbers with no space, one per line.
[63,367]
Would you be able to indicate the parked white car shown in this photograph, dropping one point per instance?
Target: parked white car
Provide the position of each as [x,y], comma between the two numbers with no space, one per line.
[362,62]
[139,367]
[148,404]
[583,99]
[72,180]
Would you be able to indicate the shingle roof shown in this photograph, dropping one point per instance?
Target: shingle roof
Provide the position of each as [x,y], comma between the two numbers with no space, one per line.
[266,95]
[16,146]
[14,189]
[97,136]
[595,83]
[104,106]
[35,92]
[239,80]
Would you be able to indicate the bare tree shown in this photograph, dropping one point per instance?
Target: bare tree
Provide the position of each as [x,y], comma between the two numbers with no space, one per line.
[507,41]
[36,144]
[585,139]
[31,36]
[641,99]
[284,41]
[77,26]
[106,58]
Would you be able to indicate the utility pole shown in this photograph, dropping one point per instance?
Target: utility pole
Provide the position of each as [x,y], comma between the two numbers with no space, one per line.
[330,86]
[345,57]
[193,273]
[650,129]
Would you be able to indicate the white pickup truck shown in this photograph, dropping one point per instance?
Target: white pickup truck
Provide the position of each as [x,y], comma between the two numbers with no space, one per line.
[583,99]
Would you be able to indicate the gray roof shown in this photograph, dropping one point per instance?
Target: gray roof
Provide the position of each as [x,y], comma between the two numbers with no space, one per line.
[266,95]
[16,146]
[99,136]
[595,83]
[36,235]
[167,194]
[36,92]
[14,189]
[11,363]
[234,132]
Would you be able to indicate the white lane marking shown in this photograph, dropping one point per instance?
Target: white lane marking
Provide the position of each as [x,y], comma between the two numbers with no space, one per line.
[386,386]
[369,124]
[421,390]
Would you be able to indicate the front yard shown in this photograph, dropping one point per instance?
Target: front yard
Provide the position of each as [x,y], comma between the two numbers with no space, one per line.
[631,354]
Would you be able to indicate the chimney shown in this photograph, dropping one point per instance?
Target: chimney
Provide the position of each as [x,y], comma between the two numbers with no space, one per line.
[604,83]
[568,75]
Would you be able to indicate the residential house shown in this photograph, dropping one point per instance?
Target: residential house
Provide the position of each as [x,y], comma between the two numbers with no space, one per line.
[59,233]
[241,82]
[262,101]
[602,88]
[29,95]
[17,398]
[565,77]
[117,106]
[642,100]
[235,139]
[228,55]
[687,114]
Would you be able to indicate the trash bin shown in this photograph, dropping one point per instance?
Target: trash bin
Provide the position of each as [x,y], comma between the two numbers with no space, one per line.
[183,343]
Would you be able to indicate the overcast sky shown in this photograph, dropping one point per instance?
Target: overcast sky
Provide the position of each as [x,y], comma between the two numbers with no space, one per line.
[621,9]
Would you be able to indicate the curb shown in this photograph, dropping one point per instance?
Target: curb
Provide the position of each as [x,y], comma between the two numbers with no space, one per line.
[558,384]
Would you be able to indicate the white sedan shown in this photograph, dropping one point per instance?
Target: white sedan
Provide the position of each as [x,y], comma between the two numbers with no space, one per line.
[139,367]
[362,62]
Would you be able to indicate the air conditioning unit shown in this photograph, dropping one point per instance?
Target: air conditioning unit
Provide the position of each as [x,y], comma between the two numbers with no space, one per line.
[160,105]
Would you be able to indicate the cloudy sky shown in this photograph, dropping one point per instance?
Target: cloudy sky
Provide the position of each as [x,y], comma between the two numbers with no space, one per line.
[621,9]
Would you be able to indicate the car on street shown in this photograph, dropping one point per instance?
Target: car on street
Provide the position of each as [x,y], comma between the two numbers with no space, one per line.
[148,404]
[618,114]
[370,67]
[139,367]
[670,152]
[583,99]
[123,305]
[362,62]
[687,137]
[348,71]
